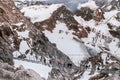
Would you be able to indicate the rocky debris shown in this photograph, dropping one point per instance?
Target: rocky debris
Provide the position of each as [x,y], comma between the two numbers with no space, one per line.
[98,76]
[118,16]
[115,33]
[113,77]
[62,14]
[86,13]
[101,2]
[9,41]
[108,5]
[114,30]
[8,72]
[105,64]
[62,75]
[27,75]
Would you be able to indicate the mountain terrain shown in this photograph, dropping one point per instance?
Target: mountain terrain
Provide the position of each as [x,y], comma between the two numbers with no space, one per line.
[66,45]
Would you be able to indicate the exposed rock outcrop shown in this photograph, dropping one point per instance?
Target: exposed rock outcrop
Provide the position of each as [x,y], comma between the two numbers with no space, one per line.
[8,72]
[98,15]
[9,41]
[86,13]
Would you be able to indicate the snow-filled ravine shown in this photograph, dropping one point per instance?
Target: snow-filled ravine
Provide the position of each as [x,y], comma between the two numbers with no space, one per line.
[63,38]
[39,68]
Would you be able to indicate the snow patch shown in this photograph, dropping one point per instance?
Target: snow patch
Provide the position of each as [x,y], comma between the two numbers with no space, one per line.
[23,47]
[19,24]
[114,47]
[110,14]
[24,34]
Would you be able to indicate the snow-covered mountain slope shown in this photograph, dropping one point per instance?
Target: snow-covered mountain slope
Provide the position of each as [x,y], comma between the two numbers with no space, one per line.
[98,35]
[61,35]
[19,38]
[68,46]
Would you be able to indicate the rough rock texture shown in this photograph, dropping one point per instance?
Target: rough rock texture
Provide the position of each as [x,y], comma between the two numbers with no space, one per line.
[85,12]
[108,5]
[27,75]
[118,16]
[9,42]
[98,15]
[8,72]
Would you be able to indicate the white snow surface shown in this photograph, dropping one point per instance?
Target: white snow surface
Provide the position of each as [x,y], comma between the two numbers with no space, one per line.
[91,4]
[24,34]
[23,47]
[65,42]
[114,47]
[39,68]
[39,13]
[19,24]
[110,17]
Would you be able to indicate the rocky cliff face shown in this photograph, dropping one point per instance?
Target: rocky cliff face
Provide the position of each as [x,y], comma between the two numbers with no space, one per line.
[98,32]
